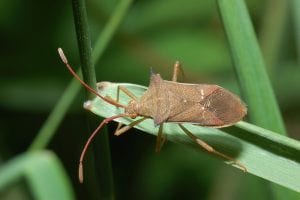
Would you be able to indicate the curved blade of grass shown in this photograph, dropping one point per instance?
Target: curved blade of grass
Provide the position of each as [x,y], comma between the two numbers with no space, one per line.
[251,72]
[272,34]
[249,65]
[265,154]
[43,172]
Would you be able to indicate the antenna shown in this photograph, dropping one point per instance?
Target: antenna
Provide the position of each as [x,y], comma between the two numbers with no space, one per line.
[89,88]
[105,121]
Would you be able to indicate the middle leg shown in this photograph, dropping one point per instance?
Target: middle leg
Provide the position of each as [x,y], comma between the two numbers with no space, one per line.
[123,129]
[160,139]
[120,130]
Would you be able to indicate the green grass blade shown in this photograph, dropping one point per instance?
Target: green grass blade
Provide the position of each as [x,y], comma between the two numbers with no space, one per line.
[249,64]
[84,44]
[110,28]
[251,71]
[264,153]
[272,34]
[51,124]
[43,172]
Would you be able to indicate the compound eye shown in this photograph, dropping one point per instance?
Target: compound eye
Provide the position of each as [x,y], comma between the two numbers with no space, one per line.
[133,116]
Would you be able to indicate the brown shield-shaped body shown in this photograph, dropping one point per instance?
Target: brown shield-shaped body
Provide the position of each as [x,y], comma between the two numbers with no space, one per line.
[203,104]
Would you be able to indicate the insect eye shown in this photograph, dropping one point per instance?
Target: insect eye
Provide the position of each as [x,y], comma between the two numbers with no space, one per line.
[133,116]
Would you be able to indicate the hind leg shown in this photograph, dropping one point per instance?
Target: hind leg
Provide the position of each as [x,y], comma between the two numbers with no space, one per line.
[210,149]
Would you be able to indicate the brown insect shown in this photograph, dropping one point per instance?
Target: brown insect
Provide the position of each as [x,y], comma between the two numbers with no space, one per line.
[170,101]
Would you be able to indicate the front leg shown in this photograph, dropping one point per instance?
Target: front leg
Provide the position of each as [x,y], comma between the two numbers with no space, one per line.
[126,91]
[120,130]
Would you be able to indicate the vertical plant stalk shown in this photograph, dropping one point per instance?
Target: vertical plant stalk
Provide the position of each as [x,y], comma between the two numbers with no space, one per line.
[84,44]
[253,79]
[48,129]
[105,178]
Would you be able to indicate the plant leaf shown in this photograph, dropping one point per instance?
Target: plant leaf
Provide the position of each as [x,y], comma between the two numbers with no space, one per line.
[249,65]
[44,173]
[251,72]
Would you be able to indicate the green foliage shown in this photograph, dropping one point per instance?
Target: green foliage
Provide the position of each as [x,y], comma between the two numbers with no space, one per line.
[249,65]
[251,72]
[44,173]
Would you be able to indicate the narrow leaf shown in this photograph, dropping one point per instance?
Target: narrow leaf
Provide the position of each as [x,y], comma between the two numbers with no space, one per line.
[44,173]
[249,65]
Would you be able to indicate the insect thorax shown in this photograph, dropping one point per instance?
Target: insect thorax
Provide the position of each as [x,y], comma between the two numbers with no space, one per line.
[132,108]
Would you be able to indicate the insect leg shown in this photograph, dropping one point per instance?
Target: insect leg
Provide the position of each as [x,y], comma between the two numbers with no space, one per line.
[160,140]
[176,69]
[118,127]
[120,130]
[89,88]
[210,149]
[126,91]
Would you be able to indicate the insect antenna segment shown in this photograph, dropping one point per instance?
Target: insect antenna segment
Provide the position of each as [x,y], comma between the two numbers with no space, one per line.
[105,121]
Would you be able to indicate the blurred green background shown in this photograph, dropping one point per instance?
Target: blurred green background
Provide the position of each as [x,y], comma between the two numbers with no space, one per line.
[153,34]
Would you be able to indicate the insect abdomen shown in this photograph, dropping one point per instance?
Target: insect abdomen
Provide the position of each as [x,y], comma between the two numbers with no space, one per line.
[207,105]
